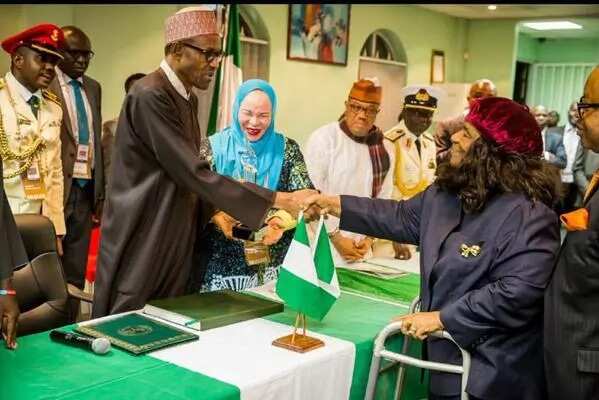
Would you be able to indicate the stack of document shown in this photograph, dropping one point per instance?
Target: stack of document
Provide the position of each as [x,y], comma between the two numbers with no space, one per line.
[385,268]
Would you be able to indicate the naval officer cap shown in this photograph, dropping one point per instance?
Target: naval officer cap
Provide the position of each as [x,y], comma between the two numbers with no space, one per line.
[420,96]
[45,38]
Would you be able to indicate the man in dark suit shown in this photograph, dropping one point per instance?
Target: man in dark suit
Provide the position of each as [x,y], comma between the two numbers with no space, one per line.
[81,137]
[572,297]
[12,255]
[586,163]
[570,140]
[552,142]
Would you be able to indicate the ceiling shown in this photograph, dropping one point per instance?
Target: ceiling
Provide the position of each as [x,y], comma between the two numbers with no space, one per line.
[590,29]
[480,11]
[582,14]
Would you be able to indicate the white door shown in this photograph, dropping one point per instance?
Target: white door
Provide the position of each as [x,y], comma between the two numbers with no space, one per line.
[392,77]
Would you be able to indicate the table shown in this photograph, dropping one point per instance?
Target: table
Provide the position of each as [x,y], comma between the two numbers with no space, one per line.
[233,362]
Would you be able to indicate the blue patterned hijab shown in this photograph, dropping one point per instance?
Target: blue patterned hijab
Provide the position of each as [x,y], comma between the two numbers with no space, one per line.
[231,141]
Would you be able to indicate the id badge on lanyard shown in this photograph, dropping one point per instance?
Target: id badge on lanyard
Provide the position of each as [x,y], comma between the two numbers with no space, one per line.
[82,169]
[33,182]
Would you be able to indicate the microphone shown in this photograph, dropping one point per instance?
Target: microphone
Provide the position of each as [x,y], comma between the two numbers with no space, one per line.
[97,345]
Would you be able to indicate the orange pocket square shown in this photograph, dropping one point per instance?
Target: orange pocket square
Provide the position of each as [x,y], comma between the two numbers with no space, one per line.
[577,220]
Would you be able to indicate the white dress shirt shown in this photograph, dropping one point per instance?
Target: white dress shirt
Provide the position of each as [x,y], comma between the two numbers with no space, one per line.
[571,140]
[69,98]
[22,90]
[174,79]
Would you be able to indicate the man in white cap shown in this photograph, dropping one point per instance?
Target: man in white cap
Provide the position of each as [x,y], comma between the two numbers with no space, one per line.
[415,151]
[162,182]
[351,156]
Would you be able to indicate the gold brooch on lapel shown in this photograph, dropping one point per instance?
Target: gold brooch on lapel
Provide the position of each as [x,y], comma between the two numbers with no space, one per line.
[467,251]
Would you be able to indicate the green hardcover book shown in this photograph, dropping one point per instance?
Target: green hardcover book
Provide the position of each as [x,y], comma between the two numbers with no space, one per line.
[203,311]
[137,333]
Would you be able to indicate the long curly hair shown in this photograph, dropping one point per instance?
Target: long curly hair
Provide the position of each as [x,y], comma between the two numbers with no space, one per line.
[487,171]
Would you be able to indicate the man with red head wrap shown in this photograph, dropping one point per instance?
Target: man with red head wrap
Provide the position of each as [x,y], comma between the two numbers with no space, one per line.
[488,240]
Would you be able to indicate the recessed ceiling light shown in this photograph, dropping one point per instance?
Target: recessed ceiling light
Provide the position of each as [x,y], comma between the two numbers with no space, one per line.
[552,25]
[492,7]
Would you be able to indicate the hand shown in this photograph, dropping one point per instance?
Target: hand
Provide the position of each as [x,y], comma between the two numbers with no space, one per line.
[318,204]
[97,216]
[550,157]
[365,244]
[225,223]
[402,251]
[274,231]
[347,248]
[9,315]
[421,324]
[59,246]
[292,202]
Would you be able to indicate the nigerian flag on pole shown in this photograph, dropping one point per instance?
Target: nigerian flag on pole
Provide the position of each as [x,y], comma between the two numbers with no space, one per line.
[228,77]
[307,279]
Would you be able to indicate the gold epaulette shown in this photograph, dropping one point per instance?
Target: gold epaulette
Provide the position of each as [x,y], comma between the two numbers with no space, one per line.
[48,95]
[428,136]
[394,134]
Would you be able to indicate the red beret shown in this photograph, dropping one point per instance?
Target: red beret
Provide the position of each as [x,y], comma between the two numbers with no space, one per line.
[48,38]
[506,124]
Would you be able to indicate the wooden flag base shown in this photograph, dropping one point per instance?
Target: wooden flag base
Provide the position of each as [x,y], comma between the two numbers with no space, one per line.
[299,344]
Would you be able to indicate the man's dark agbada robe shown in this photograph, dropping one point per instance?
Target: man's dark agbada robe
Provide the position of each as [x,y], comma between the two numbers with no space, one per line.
[159,186]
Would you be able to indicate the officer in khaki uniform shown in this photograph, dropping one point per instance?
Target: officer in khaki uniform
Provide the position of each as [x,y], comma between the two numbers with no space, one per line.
[415,152]
[30,125]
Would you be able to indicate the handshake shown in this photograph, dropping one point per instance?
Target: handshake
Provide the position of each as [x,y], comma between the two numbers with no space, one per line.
[310,201]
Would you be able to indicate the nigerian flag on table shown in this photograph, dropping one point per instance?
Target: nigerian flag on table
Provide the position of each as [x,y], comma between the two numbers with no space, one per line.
[228,77]
[307,279]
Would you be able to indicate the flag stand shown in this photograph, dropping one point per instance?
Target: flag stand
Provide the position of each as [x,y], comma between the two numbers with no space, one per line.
[298,342]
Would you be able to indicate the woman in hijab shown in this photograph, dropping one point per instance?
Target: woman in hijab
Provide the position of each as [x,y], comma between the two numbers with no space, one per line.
[251,150]
[488,239]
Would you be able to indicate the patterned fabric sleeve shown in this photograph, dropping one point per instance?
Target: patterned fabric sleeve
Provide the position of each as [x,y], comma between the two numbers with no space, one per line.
[294,175]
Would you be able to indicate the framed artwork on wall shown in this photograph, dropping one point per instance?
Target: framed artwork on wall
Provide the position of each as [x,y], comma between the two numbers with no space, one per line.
[318,33]
[438,66]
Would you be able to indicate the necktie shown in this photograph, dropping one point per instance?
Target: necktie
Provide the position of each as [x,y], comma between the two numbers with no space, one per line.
[34,103]
[82,121]
[417,142]
[592,184]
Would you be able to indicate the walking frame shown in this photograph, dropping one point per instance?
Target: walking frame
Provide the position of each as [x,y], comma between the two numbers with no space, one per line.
[403,359]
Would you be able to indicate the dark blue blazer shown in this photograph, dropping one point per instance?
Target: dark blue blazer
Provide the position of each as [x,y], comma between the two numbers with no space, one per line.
[492,304]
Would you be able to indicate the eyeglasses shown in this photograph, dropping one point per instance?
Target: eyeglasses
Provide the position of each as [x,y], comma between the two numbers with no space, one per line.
[581,107]
[356,108]
[76,54]
[210,54]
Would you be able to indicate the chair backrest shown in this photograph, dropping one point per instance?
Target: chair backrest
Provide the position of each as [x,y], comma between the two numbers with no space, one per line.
[37,233]
[41,285]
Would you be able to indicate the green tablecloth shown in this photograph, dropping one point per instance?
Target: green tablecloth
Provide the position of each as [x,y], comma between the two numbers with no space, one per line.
[403,289]
[40,369]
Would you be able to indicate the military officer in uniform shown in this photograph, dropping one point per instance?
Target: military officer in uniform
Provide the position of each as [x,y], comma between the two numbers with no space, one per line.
[415,152]
[30,125]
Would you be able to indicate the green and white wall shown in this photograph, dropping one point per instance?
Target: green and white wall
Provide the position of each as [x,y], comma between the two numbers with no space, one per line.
[129,38]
